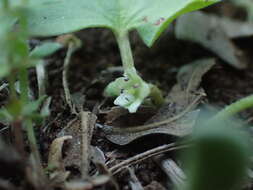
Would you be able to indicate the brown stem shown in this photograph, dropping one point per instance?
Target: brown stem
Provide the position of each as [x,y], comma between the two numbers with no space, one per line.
[18,137]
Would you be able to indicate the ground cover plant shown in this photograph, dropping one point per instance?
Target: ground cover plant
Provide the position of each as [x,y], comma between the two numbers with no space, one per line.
[214,144]
[148,17]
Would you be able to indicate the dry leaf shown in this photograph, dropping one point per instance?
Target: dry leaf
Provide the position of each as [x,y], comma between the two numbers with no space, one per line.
[175,118]
[56,168]
[212,35]
[73,156]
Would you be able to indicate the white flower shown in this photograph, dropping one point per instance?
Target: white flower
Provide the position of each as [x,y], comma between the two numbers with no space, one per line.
[131,92]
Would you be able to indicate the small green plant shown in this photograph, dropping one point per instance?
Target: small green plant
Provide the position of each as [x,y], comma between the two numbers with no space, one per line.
[219,157]
[150,18]
[21,112]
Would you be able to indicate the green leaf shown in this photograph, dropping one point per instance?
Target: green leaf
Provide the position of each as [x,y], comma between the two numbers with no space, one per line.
[45,49]
[6,22]
[149,17]
[220,156]
[5,116]
[33,106]
[17,3]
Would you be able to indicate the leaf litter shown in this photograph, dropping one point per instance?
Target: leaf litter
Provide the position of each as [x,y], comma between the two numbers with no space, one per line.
[215,34]
[178,116]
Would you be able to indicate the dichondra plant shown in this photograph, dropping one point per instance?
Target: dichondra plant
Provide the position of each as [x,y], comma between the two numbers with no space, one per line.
[150,18]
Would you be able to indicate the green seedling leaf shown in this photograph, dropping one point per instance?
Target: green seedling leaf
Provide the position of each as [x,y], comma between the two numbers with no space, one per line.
[149,17]
[6,22]
[45,49]
[45,109]
[33,106]
[5,116]
[12,40]
[219,158]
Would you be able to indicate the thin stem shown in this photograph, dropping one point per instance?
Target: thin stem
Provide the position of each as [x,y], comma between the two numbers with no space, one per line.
[24,85]
[18,137]
[41,79]
[32,140]
[85,144]
[65,77]
[126,53]
[11,79]
[35,150]
[235,108]
[148,154]
[156,96]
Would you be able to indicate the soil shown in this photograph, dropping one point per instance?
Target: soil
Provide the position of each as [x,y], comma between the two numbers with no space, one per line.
[97,63]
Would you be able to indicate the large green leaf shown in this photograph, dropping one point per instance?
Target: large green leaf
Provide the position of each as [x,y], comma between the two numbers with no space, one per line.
[45,49]
[149,17]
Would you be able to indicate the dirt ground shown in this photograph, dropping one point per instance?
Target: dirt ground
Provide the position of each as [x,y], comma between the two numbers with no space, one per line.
[95,65]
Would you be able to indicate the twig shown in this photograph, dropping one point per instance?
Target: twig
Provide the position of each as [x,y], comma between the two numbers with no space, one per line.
[173,171]
[18,137]
[145,155]
[134,181]
[87,126]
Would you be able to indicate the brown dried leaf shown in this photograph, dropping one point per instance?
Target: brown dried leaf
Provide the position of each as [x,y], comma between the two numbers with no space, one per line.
[118,115]
[87,185]
[56,168]
[73,156]
[175,118]
[213,35]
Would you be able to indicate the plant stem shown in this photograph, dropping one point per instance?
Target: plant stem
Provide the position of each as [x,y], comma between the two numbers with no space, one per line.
[41,79]
[35,153]
[18,137]
[235,108]
[32,140]
[126,53]
[24,85]
[11,80]
[156,96]
[70,51]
